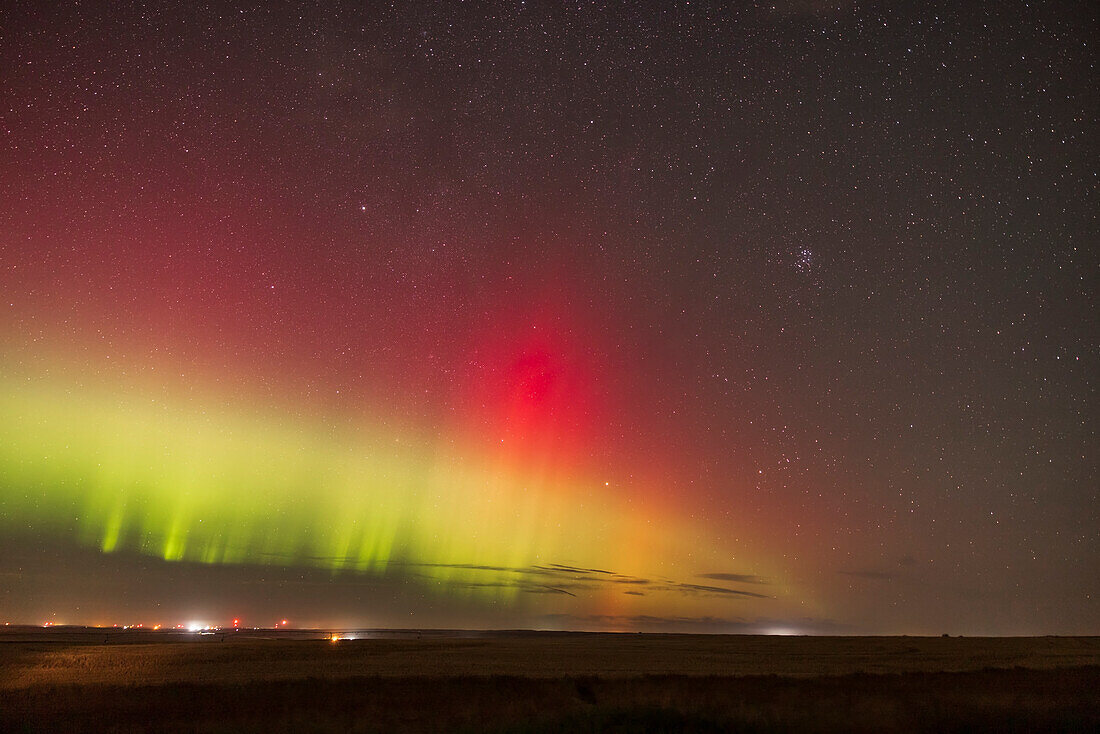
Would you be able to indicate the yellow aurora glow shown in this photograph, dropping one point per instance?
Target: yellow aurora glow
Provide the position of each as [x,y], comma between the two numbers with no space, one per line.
[205,482]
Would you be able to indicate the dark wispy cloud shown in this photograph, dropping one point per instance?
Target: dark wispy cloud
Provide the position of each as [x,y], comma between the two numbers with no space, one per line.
[572,577]
[525,588]
[553,570]
[738,578]
[574,569]
[717,590]
[555,578]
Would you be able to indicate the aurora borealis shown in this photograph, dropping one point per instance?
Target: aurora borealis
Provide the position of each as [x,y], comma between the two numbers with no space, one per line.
[654,316]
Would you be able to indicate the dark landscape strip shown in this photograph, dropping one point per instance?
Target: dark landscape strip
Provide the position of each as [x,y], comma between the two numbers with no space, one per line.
[992,700]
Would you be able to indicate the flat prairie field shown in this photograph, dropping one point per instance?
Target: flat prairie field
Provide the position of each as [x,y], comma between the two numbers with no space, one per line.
[378,681]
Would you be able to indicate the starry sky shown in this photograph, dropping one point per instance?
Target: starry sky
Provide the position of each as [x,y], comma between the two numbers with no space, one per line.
[659,316]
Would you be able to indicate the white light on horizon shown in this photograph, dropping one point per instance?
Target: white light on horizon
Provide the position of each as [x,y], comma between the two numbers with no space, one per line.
[781,631]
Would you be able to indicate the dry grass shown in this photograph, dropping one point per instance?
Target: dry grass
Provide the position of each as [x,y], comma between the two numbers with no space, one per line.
[555,683]
[1002,701]
[552,656]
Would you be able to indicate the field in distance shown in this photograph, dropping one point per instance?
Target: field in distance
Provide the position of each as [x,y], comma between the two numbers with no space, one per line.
[83,656]
[81,679]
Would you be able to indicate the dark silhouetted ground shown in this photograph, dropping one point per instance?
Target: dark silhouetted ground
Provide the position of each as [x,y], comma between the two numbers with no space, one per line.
[515,682]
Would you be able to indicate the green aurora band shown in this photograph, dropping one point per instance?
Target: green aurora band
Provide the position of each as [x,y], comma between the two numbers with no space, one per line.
[129,469]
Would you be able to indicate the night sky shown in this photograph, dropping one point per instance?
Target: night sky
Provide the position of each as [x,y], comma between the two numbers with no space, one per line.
[746,317]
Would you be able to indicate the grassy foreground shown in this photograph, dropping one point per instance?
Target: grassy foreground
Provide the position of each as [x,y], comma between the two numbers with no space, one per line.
[389,686]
